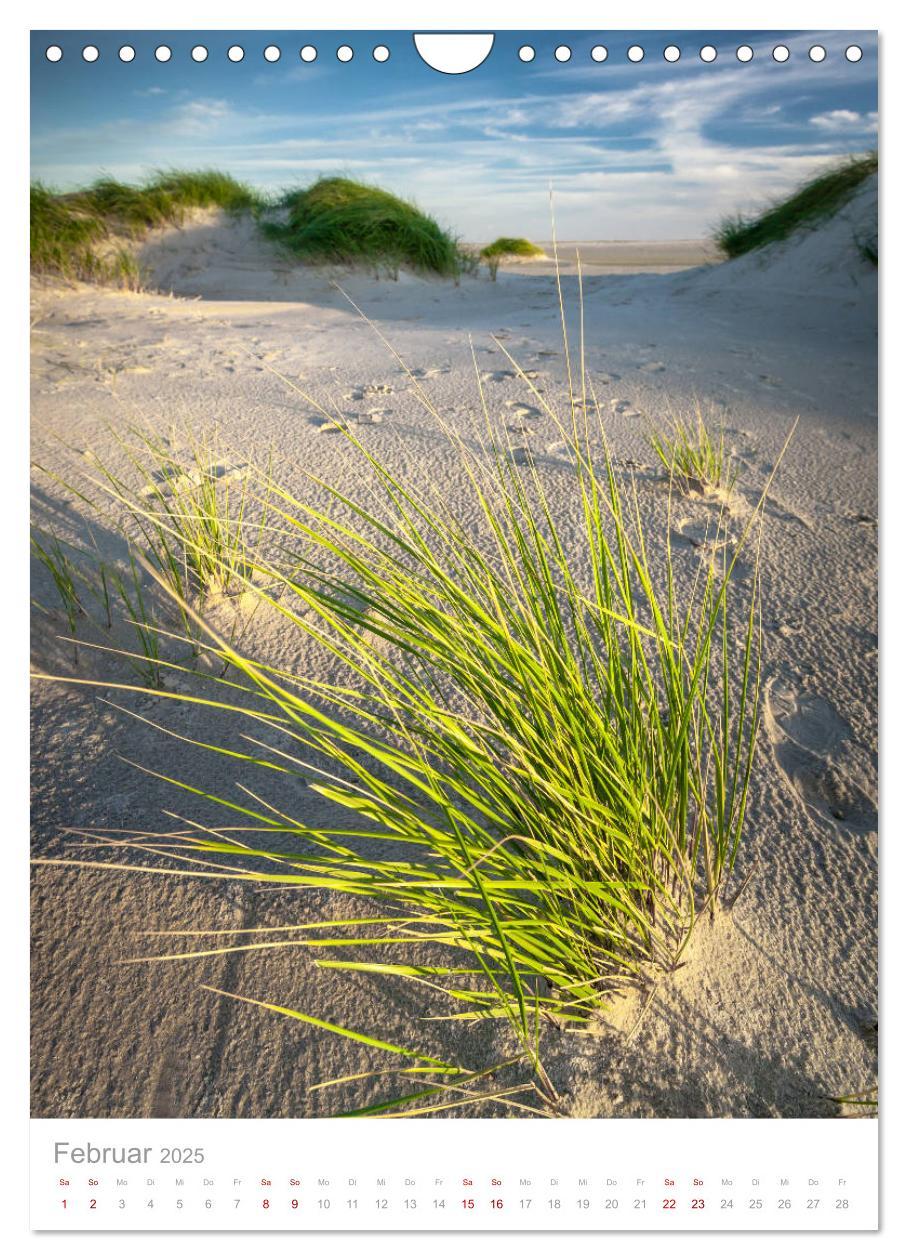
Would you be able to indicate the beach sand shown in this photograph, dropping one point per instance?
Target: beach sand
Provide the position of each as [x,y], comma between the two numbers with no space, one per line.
[775,1010]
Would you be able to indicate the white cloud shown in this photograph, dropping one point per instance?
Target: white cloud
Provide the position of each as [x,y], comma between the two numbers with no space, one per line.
[845,120]
[198,117]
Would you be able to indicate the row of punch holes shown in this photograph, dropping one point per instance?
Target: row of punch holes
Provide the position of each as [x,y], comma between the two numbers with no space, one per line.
[526,53]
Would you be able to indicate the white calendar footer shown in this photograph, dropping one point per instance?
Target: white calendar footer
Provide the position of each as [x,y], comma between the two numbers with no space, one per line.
[453,1174]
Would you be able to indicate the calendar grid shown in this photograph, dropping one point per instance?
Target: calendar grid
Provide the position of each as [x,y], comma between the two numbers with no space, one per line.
[482,1175]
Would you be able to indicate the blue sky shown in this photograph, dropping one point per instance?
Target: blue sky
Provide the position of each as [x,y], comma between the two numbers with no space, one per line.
[633,151]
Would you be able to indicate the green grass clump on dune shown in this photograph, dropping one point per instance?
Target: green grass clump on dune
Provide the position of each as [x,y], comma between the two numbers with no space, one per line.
[814,201]
[516,246]
[73,235]
[164,198]
[340,220]
[334,220]
[208,188]
[508,247]
[70,241]
[694,456]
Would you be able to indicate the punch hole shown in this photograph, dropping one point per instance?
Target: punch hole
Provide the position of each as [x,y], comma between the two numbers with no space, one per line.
[599,52]
[672,53]
[745,53]
[272,53]
[635,53]
[90,53]
[235,53]
[54,53]
[308,53]
[126,53]
[708,53]
[453,53]
[345,53]
[381,53]
[817,53]
[162,53]
[526,53]
[562,53]
[780,53]
[199,53]
[854,52]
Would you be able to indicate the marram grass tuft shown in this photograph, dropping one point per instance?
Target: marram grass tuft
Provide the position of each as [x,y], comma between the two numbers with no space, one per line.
[544,752]
[339,220]
[816,200]
[693,456]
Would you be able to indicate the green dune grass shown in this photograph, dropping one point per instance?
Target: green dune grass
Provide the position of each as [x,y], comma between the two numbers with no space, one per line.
[508,247]
[518,246]
[813,202]
[542,745]
[75,235]
[165,198]
[340,220]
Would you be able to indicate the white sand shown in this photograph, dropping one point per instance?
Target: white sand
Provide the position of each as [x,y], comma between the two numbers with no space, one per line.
[776,1008]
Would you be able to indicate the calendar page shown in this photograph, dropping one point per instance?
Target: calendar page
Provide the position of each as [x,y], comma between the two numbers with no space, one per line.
[454,629]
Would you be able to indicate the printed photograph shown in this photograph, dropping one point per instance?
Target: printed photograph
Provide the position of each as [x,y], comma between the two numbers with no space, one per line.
[454,574]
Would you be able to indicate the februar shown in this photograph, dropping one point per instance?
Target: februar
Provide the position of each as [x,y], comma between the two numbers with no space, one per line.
[100,1154]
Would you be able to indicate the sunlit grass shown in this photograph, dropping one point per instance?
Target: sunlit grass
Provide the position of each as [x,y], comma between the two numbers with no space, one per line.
[187,512]
[543,748]
[694,456]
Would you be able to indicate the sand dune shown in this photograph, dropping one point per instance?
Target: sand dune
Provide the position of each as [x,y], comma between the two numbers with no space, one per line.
[776,1010]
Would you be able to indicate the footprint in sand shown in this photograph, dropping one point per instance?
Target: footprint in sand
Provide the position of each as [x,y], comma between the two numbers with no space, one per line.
[807,732]
[717,548]
[652,366]
[330,426]
[174,481]
[522,409]
[498,375]
[701,534]
[422,374]
[622,407]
